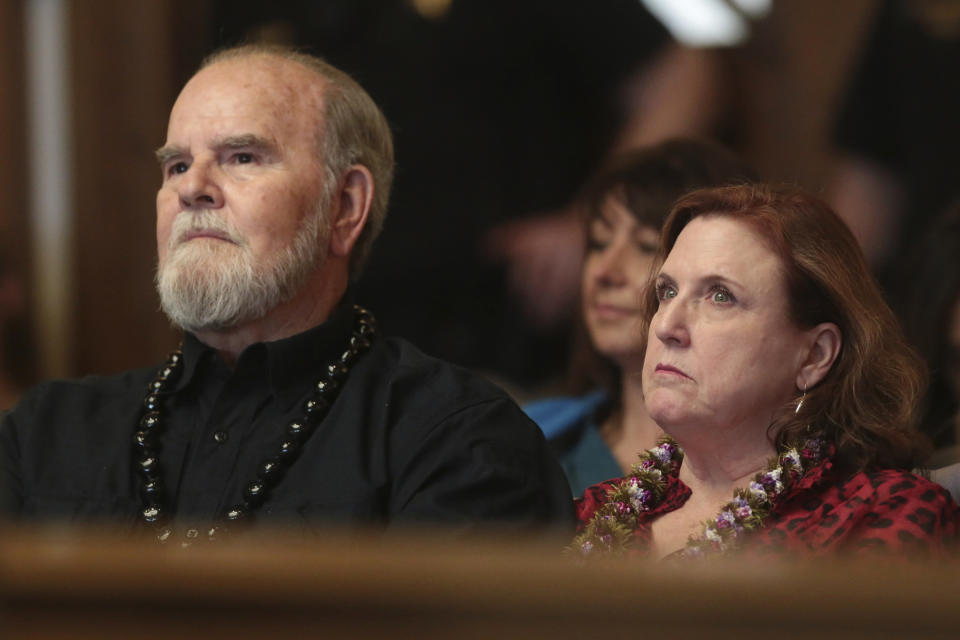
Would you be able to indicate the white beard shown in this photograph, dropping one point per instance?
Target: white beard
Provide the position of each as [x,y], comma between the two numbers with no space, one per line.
[211,285]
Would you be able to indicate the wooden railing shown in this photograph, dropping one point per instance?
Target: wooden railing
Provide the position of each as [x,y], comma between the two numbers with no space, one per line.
[78,585]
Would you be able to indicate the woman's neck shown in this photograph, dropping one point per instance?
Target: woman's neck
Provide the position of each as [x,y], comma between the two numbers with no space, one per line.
[630,430]
[717,466]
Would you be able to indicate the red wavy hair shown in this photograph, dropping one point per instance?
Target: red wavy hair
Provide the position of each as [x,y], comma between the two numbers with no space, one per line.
[867,403]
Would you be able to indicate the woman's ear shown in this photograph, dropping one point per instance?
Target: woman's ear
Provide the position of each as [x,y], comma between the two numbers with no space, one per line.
[824,347]
[350,210]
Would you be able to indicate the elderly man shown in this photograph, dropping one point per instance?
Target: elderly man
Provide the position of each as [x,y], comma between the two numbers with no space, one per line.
[282,407]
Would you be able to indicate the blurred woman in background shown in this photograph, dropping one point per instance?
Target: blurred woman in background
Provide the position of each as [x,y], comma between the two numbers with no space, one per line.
[598,433]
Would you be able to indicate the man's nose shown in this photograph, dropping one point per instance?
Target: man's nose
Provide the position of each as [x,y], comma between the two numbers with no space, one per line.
[671,323]
[199,187]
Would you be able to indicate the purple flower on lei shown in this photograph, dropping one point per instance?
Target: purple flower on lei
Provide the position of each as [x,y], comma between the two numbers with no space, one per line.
[726,519]
[663,453]
[641,502]
[771,480]
[756,490]
[811,450]
[792,457]
[742,508]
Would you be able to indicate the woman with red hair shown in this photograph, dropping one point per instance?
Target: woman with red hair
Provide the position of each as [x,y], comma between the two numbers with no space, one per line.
[785,388]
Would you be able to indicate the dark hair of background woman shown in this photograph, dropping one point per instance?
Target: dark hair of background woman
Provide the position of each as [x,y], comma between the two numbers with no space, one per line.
[647,182]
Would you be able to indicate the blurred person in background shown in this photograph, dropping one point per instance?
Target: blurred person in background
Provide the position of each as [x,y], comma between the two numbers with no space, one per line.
[598,433]
[927,299]
[502,110]
[897,131]
[786,388]
[283,405]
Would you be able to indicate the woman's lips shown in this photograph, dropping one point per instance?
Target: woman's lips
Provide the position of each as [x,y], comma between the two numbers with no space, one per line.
[671,370]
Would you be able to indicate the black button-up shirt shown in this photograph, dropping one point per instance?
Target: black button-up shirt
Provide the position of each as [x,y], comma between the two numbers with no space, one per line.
[409,439]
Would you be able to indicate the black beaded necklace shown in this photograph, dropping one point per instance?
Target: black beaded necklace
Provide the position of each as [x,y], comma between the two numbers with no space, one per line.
[146,439]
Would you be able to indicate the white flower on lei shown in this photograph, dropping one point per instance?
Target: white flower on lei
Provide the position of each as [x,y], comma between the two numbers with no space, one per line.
[662,453]
[793,456]
[727,517]
[711,535]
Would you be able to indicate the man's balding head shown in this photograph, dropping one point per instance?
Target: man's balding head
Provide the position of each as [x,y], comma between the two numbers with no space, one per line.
[353,131]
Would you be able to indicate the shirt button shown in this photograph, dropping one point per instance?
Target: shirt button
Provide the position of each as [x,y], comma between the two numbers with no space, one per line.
[220,436]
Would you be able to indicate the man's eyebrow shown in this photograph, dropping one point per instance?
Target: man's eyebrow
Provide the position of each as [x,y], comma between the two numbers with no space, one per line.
[243,141]
[167,153]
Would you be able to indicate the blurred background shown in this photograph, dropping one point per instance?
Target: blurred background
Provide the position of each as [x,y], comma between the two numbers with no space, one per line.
[501,110]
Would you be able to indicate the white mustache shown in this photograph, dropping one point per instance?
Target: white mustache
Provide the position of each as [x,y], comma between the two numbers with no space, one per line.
[203,221]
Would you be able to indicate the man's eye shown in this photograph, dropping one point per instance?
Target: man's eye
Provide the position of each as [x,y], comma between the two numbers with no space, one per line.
[244,158]
[177,167]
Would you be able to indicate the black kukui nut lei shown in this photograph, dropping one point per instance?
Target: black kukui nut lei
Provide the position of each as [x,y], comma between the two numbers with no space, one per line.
[146,438]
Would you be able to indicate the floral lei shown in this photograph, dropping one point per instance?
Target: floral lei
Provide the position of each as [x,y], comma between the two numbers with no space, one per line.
[610,530]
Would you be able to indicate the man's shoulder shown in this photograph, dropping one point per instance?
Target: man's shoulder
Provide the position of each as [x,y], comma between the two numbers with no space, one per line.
[417,393]
[77,394]
[410,371]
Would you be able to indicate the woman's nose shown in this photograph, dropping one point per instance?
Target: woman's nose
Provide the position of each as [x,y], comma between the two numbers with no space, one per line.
[670,323]
[199,187]
[610,270]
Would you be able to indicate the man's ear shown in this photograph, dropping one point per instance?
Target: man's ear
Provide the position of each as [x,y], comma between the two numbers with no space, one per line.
[824,348]
[351,208]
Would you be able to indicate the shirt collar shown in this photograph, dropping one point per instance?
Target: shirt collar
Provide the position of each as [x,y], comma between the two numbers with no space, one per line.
[291,363]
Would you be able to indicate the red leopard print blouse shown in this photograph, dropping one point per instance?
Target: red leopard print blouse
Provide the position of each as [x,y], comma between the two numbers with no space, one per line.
[888,511]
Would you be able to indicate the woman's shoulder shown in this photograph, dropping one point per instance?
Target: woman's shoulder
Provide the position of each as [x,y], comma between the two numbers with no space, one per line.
[894,484]
[882,509]
[892,492]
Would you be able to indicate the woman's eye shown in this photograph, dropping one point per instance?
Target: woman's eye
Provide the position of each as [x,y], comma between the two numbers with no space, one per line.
[721,296]
[647,248]
[665,292]
[596,244]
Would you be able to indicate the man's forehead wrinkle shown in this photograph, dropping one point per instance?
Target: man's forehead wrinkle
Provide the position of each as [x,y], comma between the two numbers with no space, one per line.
[291,82]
